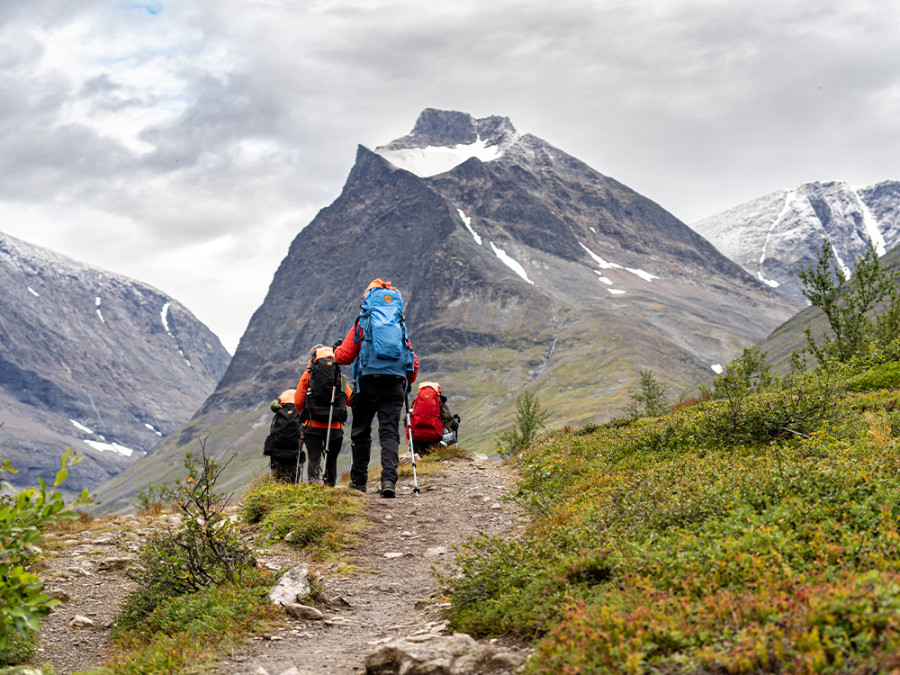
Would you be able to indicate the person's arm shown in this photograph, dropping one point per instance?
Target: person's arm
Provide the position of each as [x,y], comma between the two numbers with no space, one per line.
[348,350]
[300,391]
[411,376]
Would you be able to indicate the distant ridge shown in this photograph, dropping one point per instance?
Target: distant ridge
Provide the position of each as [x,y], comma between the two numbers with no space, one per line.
[94,361]
[773,235]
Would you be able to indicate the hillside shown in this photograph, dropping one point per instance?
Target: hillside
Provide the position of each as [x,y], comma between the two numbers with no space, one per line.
[521,267]
[94,361]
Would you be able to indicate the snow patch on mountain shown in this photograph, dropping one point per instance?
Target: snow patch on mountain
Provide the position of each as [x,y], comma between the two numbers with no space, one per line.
[468,223]
[164,315]
[604,265]
[646,276]
[99,313]
[511,262]
[788,200]
[81,427]
[33,292]
[616,291]
[153,429]
[873,229]
[603,279]
[717,368]
[110,447]
[840,263]
[433,160]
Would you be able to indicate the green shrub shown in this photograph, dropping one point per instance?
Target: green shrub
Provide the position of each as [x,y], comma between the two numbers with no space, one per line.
[19,648]
[205,550]
[22,516]
[759,537]
[316,518]
[530,421]
[882,376]
[181,633]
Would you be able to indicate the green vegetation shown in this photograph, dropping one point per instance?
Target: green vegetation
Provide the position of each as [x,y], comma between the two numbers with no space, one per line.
[649,399]
[863,310]
[184,632]
[530,421]
[316,518]
[754,533]
[22,517]
[198,591]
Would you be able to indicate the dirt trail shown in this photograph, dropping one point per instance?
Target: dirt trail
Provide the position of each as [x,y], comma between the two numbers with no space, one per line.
[393,593]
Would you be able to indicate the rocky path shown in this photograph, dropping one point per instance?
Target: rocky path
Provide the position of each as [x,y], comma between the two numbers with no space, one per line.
[389,591]
[382,590]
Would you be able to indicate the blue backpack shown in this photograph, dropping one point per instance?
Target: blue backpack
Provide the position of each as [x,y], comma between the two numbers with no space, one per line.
[383,335]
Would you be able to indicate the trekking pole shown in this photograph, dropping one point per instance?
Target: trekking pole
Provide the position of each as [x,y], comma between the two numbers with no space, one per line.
[409,439]
[302,438]
[328,432]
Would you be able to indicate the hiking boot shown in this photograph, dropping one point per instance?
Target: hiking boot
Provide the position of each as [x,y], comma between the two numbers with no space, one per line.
[357,487]
[387,489]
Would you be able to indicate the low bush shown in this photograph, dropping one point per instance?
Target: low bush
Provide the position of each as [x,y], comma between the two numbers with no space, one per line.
[182,632]
[317,518]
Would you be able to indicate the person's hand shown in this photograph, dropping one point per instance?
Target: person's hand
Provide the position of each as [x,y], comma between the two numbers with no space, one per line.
[338,343]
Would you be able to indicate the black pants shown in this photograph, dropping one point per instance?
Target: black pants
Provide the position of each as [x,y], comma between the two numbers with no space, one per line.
[380,395]
[315,445]
[284,467]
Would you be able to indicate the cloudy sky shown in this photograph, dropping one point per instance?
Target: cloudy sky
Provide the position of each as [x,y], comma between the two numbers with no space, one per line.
[186,142]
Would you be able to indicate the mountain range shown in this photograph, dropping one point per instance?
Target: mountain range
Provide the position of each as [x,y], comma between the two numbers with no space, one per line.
[93,361]
[772,236]
[521,268]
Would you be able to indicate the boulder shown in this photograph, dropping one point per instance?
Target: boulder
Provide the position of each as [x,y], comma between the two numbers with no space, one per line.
[426,655]
[303,612]
[292,585]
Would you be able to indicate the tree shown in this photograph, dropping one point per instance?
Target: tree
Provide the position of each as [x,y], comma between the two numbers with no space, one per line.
[530,420]
[649,400]
[749,374]
[850,303]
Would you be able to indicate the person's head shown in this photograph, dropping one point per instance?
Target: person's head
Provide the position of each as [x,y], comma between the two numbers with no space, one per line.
[318,352]
[287,396]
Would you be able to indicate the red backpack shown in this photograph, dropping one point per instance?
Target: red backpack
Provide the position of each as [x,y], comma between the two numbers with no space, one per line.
[425,416]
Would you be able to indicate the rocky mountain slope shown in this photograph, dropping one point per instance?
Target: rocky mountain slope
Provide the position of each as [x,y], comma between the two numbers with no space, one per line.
[93,361]
[521,267]
[770,237]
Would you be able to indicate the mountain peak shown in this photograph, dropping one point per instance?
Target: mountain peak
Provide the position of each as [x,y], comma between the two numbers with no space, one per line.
[444,139]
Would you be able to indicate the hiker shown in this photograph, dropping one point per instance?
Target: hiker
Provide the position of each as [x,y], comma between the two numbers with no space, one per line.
[282,445]
[431,421]
[384,366]
[322,397]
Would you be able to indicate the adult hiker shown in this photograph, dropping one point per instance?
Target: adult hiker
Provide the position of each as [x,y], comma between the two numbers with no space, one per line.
[384,366]
[322,397]
[431,420]
[282,445]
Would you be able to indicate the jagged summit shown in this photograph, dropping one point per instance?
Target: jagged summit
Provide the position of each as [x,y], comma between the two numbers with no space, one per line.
[443,139]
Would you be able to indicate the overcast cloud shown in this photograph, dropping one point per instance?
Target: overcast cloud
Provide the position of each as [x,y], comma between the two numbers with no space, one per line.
[186,142]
